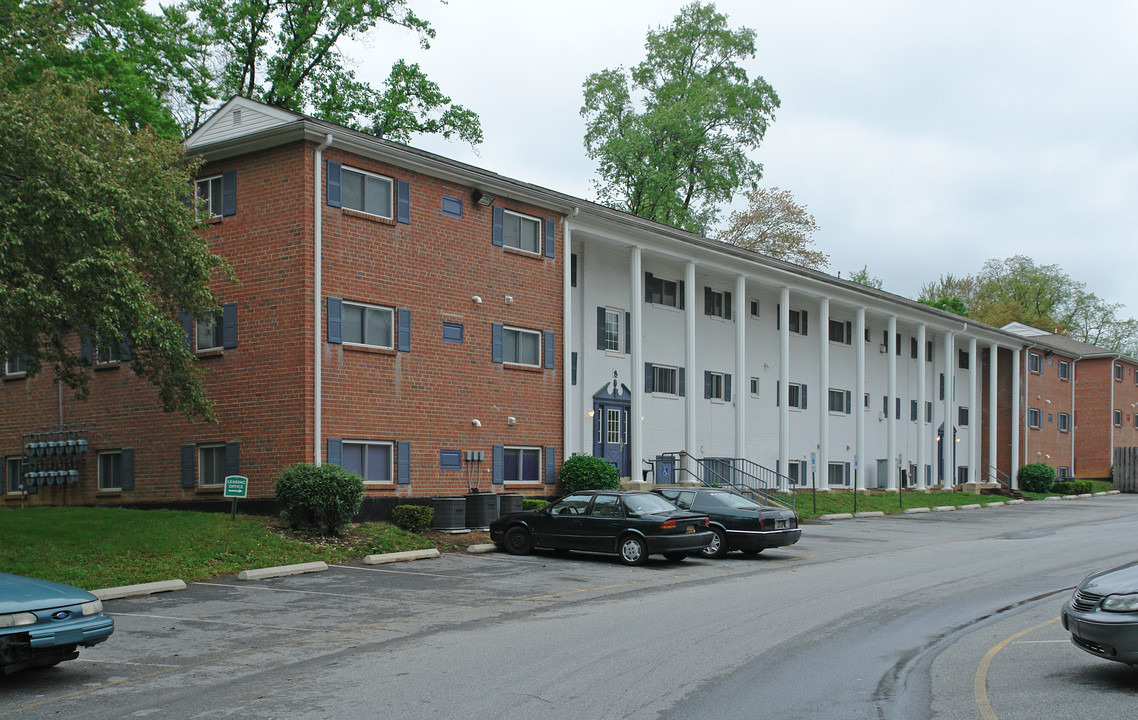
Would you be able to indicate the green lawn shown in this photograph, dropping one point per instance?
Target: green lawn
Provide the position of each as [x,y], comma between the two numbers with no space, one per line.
[106,547]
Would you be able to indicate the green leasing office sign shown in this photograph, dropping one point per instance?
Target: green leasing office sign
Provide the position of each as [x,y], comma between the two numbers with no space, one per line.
[236,486]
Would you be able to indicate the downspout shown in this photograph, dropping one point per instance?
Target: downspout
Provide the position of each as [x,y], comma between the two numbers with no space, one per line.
[318,289]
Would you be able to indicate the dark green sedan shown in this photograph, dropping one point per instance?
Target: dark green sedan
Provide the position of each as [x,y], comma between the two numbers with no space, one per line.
[738,523]
[632,524]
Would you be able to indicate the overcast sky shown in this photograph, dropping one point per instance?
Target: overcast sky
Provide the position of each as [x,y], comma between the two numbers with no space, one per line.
[925,138]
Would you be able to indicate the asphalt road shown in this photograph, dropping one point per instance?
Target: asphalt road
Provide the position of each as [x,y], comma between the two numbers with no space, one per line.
[943,615]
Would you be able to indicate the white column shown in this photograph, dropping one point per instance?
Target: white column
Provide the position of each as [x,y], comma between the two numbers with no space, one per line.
[784,381]
[973,412]
[691,442]
[993,408]
[741,390]
[922,400]
[948,441]
[636,357]
[568,426]
[1017,411]
[859,397]
[891,408]
[823,407]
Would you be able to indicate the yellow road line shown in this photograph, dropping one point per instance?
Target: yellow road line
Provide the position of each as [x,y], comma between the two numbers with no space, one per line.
[980,684]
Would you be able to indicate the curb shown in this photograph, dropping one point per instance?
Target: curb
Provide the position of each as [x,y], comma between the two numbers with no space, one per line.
[869,513]
[944,508]
[282,570]
[482,548]
[404,556]
[914,511]
[125,591]
[836,516]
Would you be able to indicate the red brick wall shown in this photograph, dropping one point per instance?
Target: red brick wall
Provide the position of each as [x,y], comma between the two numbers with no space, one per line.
[1093,417]
[1044,391]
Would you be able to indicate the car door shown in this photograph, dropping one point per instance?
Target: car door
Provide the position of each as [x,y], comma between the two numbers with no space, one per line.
[603,523]
[561,527]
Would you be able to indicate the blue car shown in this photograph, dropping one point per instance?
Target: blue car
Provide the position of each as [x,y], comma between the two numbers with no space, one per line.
[43,623]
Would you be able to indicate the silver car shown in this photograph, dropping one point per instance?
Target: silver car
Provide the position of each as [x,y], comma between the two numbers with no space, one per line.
[1102,615]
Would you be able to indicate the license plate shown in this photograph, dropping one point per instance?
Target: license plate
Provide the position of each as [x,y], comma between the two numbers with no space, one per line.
[689,529]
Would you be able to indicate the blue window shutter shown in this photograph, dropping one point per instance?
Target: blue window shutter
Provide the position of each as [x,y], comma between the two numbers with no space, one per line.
[777,393]
[126,468]
[550,350]
[849,401]
[573,270]
[727,388]
[404,322]
[404,463]
[499,221]
[550,239]
[707,300]
[573,379]
[233,458]
[87,350]
[550,465]
[628,332]
[778,316]
[648,381]
[849,333]
[647,287]
[229,325]
[125,346]
[334,326]
[726,305]
[680,373]
[496,343]
[498,465]
[847,468]
[3,469]
[802,394]
[680,295]
[803,323]
[333,194]
[229,192]
[188,480]
[706,384]
[600,328]
[335,451]
[187,322]
[403,201]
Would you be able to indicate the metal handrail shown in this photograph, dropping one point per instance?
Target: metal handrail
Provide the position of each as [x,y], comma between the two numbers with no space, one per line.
[1001,477]
[744,476]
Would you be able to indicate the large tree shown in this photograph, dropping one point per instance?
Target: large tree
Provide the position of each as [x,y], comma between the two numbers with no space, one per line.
[774,224]
[684,152]
[96,242]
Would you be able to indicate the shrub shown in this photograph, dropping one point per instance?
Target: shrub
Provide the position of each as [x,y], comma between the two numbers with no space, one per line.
[1072,487]
[584,472]
[1036,477]
[533,504]
[413,518]
[326,497]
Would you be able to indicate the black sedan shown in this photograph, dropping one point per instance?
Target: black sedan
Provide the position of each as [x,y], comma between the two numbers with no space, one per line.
[1102,615]
[738,522]
[631,524]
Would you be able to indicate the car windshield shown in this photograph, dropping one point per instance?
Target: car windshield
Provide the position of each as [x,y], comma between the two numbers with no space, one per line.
[647,504]
[732,500]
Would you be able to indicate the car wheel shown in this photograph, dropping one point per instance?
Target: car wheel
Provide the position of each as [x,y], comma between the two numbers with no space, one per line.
[518,541]
[633,551]
[752,552]
[675,556]
[718,546]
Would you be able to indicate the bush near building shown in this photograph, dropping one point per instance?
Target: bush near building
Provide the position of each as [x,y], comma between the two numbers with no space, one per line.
[1036,477]
[584,472]
[322,496]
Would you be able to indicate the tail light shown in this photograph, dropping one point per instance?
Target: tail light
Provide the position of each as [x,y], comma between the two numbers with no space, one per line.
[669,524]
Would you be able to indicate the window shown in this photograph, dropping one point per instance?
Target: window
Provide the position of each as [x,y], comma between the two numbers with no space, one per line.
[866,401]
[211,465]
[212,333]
[841,332]
[754,308]
[208,194]
[664,380]
[522,464]
[613,433]
[370,460]
[208,334]
[840,401]
[961,475]
[963,359]
[1118,372]
[838,473]
[366,192]
[110,470]
[521,232]
[1033,417]
[1118,418]
[798,323]
[521,347]
[109,351]
[796,396]
[754,387]
[962,416]
[15,364]
[796,472]
[1065,422]
[715,386]
[13,474]
[366,325]
[613,330]
[717,304]
[913,410]
[1033,363]
[1063,471]
[659,291]
[1065,370]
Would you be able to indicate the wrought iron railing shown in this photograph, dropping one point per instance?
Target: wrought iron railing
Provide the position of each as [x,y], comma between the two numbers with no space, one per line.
[739,474]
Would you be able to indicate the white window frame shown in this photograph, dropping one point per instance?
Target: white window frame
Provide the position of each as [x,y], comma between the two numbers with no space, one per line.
[1033,413]
[206,329]
[13,468]
[1064,422]
[719,303]
[1064,370]
[210,449]
[115,481]
[521,451]
[516,334]
[211,196]
[794,322]
[841,471]
[614,331]
[1063,471]
[662,297]
[963,416]
[1118,372]
[841,408]
[1034,363]
[520,221]
[669,371]
[717,385]
[364,309]
[753,308]
[107,353]
[840,326]
[366,445]
[365,175]
[14,365]
[1118,418]
[794,395]
[754,387]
